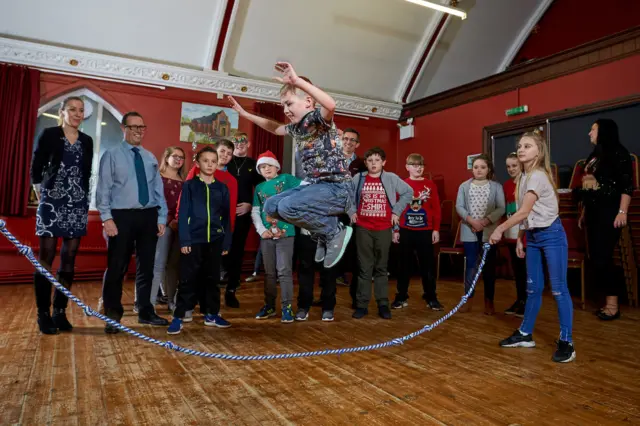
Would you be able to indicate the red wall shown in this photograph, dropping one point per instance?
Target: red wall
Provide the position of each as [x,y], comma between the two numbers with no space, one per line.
[161,111]
[570,23]
[446,137]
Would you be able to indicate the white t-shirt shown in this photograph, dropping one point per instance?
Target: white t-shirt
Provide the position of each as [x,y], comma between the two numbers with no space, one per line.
[545,209]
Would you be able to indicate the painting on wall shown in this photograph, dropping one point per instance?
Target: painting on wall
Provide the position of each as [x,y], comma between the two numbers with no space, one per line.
[206,124]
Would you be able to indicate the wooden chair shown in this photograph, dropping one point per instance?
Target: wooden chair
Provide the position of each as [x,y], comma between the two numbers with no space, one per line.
[576,175]
[457,249]
[577,251]
[636,172]
[554,174]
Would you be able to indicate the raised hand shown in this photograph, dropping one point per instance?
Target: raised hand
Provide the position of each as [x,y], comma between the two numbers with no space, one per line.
[289,75]
[236,106]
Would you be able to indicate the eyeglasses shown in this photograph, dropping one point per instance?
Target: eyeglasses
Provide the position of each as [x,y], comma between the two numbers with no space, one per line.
[177,157]
[136,128]
[240,142]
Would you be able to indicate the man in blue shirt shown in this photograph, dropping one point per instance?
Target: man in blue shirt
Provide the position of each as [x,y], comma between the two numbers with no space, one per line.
[130,199]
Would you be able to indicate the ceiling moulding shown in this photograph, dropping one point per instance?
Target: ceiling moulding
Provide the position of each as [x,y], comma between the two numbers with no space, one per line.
[93,64]
[589,55]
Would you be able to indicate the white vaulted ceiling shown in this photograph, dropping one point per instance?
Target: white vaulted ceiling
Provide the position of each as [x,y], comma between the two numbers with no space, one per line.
[364,50]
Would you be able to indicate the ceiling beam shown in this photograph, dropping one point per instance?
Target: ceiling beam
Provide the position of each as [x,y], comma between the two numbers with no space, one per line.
[91,64]
[214,34]
[225,32]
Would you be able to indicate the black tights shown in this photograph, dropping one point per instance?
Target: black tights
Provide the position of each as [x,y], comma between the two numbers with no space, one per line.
[65,271]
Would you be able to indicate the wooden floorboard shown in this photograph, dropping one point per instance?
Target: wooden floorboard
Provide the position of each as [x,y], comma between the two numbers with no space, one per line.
[454,375]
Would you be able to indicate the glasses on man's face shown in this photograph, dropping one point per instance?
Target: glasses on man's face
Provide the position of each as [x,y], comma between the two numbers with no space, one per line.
[136,128]
[238,143]
[177,157]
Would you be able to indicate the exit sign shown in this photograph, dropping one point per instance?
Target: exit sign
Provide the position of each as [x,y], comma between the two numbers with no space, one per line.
[517,110]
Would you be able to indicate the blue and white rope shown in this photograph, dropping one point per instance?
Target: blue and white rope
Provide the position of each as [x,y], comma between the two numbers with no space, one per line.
[28,253]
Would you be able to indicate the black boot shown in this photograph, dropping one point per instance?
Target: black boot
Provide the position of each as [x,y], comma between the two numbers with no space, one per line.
[231,300]
[60,320]
[46,323]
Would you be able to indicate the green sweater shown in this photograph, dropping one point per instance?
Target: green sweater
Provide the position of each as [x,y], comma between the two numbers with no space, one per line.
[268,189]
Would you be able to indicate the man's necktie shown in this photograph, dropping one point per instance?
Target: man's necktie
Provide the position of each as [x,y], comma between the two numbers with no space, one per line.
[143,189]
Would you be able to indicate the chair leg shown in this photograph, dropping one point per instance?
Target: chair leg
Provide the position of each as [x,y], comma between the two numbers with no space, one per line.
[582,296]
[464,268]
[438,268]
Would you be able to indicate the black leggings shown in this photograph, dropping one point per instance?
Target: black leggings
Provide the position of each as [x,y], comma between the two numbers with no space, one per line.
[603,239]
[65,271]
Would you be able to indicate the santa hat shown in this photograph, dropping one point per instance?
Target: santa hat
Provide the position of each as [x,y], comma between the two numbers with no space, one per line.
[267,157]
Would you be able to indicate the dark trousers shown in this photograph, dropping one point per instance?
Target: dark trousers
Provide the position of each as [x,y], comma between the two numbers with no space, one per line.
[603,239]
[305,248]
[519,267]
[418,243]
[65,273]
[136,229]
[199,278]
[373,257]
[473,254]
[236,253]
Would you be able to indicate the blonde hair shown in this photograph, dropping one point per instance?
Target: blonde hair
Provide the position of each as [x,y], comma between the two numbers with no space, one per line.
[542,161]
[164,163]
[290,88]
[415,159]
[64,104]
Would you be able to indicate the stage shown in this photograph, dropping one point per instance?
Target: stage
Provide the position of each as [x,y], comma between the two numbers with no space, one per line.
[456,374]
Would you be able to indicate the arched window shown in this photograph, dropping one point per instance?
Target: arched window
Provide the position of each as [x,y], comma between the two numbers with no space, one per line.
[101,122]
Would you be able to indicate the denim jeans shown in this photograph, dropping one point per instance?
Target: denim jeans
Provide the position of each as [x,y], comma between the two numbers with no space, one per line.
[162,255]
[278,258]
[313,207]
[472,253]
[550,242]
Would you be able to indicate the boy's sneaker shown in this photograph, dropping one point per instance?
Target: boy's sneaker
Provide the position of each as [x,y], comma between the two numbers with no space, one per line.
[287,314]
[399,304]
[302,315]
[337,246]
[188,316]
[518,340]
[327,316]
[384,312]
[216,321]
[435,305]
[251,278]
[175,327]
[564,352]
[321,251]
[360,312]
[266,312]
[342,281]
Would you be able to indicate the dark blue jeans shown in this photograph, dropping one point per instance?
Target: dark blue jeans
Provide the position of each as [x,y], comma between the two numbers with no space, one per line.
[550,242]
[472,254]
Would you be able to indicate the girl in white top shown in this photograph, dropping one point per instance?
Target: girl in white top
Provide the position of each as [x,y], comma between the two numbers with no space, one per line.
[538,217]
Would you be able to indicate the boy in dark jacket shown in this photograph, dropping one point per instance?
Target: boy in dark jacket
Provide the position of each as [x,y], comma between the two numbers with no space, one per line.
[205,234]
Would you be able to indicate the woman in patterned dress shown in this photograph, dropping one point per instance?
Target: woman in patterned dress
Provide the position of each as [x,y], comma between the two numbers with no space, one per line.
[165,270]
[60,173]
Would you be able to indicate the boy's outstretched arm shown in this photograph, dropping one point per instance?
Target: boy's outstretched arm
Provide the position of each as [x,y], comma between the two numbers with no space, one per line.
[289,76]
[269,125]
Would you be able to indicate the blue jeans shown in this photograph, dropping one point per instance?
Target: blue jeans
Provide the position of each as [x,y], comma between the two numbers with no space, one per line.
[312,207]
[472,253]
[550,242]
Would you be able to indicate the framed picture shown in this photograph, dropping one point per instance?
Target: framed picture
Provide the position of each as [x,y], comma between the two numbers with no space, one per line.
[470,159]
[206,124]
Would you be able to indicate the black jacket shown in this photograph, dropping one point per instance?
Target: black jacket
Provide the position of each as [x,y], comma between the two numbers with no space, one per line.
[47,156]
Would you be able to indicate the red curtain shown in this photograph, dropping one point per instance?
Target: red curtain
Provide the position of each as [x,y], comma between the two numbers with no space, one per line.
[263,140]
[19,101]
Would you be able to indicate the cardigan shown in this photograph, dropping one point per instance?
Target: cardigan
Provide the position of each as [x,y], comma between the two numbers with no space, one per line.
[47,156]
[495,211]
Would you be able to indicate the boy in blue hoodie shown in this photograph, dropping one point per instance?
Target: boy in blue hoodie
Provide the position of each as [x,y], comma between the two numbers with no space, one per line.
[204,233]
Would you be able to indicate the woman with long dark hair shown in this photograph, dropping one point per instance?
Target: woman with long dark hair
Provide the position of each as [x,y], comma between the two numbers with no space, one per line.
[60,173]
[605,194]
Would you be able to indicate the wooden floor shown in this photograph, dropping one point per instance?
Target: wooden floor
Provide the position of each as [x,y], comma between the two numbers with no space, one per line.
[456,374]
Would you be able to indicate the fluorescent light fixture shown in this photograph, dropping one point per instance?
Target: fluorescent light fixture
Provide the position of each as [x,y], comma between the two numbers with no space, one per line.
[447,9]
[46,114]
